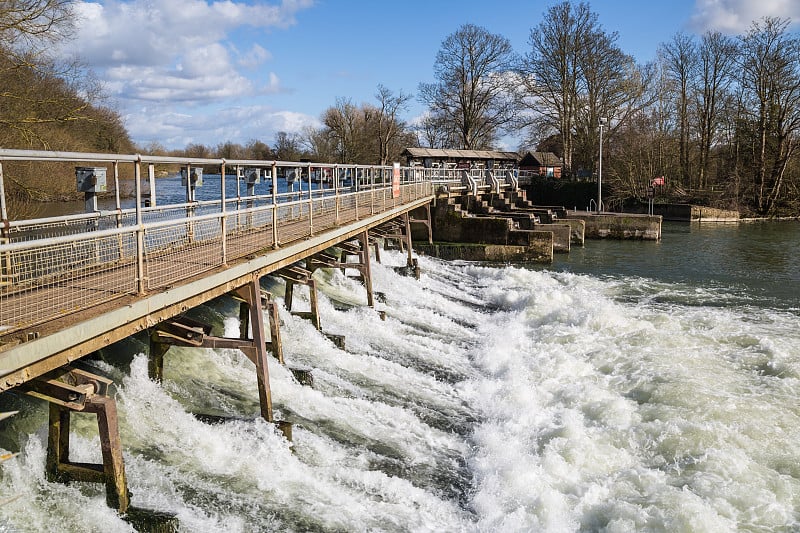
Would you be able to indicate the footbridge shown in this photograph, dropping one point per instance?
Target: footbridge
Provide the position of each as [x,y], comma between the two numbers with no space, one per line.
[71,285]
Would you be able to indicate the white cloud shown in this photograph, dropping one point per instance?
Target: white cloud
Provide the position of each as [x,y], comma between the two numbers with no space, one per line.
[254,57]
[201,61]
[236,124]
[150,31]
[736,16]
[178,55]
[274,85]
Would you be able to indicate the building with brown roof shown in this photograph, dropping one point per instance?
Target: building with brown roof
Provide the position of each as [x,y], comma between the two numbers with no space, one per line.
[541,163]
[466,159]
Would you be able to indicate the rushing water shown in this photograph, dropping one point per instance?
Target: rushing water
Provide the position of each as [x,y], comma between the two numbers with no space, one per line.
[628,387]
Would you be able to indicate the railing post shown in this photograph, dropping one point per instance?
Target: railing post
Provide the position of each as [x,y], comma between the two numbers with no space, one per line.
[311,201]
[3,208]
[238,197]
[5,261]
[190,204]
[274,205]
[151,175]
[355,196]
[117,202]
[372,198]
[223,223]
[140,251]
[118,216]
[336,196]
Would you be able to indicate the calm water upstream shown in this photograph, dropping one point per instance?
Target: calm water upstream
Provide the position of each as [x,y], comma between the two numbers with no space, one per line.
[629,386]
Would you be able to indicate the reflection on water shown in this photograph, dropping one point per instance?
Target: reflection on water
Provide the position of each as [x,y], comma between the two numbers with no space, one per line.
[756,258]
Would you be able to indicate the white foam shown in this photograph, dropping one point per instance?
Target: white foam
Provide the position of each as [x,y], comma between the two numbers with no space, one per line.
[491,399]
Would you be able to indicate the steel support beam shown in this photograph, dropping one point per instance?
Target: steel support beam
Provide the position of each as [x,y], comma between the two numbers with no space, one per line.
[251,293]
[58,467]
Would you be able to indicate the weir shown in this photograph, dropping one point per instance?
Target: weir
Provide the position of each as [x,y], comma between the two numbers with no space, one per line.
[72,285]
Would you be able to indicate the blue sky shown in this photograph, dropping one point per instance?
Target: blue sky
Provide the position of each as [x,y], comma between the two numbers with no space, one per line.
[196,71]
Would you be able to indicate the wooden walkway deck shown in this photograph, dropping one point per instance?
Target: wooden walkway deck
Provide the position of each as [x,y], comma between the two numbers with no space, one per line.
[51,322]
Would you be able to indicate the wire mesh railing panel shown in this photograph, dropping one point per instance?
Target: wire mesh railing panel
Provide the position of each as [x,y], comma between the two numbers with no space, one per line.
[178,252]
[58,228]
[33,266]
[245,239]
[52,281]
[365,204]
[293,223]
[239,221]
[347,209]
[325,207]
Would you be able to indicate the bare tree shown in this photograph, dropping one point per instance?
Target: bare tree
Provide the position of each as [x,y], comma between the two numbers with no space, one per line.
[770,79]
[389,125]
[611,86]
[287,146]
[573,75]
[680,61]
[197,151]
[256,149]
[472,89]
[363,134]
[320,143]
[436,131]
[230,150]
[39,96]
[341,122]
[27,27]
[716,55]
[550,71]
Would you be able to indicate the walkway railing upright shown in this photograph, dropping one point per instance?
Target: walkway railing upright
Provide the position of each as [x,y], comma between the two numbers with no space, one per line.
[50,267]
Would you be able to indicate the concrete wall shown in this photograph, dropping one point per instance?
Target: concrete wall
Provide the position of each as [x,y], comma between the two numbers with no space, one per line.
[578,229]
[451,226]
[486,252]
[686,212]
[562,235]
[620,226]
[709,214]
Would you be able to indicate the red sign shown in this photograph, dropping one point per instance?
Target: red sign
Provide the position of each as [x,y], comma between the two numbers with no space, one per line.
[396,181]
[658,181]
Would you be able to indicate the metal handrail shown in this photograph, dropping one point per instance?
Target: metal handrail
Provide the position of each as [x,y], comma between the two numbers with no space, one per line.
[110,254]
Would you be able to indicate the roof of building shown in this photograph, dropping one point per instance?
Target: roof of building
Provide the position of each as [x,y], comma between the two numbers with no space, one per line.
[460,154]
[545,159]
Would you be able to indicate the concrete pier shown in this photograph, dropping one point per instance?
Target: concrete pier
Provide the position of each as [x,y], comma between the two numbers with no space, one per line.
[452,225]
[620,225]
[688,212]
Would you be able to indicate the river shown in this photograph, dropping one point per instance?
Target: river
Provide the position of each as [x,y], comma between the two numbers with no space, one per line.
[629,386]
